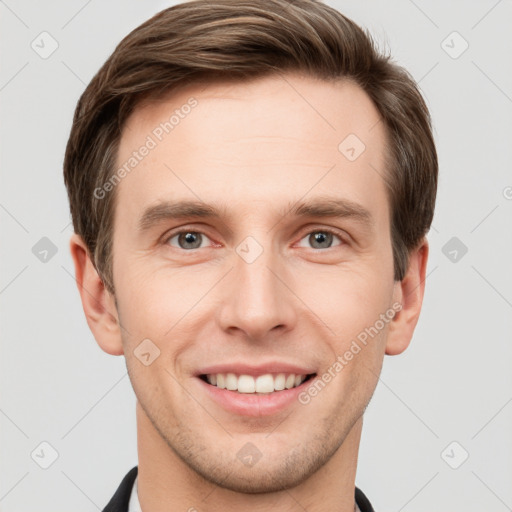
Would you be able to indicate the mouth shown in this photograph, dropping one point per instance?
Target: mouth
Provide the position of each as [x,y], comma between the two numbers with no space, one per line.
[258,395]
[264,384]
[248,389]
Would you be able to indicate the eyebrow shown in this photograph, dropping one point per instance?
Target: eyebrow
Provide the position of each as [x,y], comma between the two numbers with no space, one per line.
[318,207]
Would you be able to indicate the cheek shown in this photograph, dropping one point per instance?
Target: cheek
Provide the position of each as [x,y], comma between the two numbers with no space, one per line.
[155,299]
[346,299]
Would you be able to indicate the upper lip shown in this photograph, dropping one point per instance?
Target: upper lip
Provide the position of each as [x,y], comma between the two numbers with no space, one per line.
[240,368]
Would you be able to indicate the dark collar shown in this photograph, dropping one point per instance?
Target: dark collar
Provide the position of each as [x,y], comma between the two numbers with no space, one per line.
[121,498]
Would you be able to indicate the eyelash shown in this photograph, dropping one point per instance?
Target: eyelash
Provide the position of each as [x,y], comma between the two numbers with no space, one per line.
[319,230]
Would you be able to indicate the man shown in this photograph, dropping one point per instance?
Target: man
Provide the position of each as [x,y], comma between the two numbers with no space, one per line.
[251,184]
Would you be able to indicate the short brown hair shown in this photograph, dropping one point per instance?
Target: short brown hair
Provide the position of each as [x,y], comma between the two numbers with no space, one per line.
[233,39]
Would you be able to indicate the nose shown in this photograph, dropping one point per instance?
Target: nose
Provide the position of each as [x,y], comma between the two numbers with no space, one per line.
[257,301]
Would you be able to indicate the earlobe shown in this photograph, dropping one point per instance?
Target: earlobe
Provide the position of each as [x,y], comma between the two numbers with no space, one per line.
[409,293]
[98,304]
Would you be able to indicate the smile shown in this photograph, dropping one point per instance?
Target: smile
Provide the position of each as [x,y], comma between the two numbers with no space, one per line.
[261,384]
[241,395]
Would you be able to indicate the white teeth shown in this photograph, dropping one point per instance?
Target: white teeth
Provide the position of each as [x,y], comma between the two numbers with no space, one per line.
[231,381]
[246,384]
[279,382]
[266,383]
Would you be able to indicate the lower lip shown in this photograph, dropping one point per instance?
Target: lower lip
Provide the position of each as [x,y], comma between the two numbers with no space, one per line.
[251,404]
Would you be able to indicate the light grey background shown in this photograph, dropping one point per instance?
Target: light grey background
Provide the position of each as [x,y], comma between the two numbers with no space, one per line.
[454,382]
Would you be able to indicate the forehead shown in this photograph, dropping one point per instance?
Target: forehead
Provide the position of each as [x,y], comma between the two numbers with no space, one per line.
[264,141]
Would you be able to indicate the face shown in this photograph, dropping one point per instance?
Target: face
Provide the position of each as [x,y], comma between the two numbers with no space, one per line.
[283,260]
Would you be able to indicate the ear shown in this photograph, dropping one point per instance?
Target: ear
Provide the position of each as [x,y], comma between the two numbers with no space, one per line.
[409,293]
[99,305]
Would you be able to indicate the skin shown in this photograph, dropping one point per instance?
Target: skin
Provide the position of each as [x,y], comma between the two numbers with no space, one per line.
[254,147]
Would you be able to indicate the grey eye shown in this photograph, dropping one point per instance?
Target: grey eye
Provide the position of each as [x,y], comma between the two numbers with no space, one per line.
[320,239]
[187,240]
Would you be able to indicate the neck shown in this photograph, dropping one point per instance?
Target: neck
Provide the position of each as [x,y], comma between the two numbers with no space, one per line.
[166,482]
